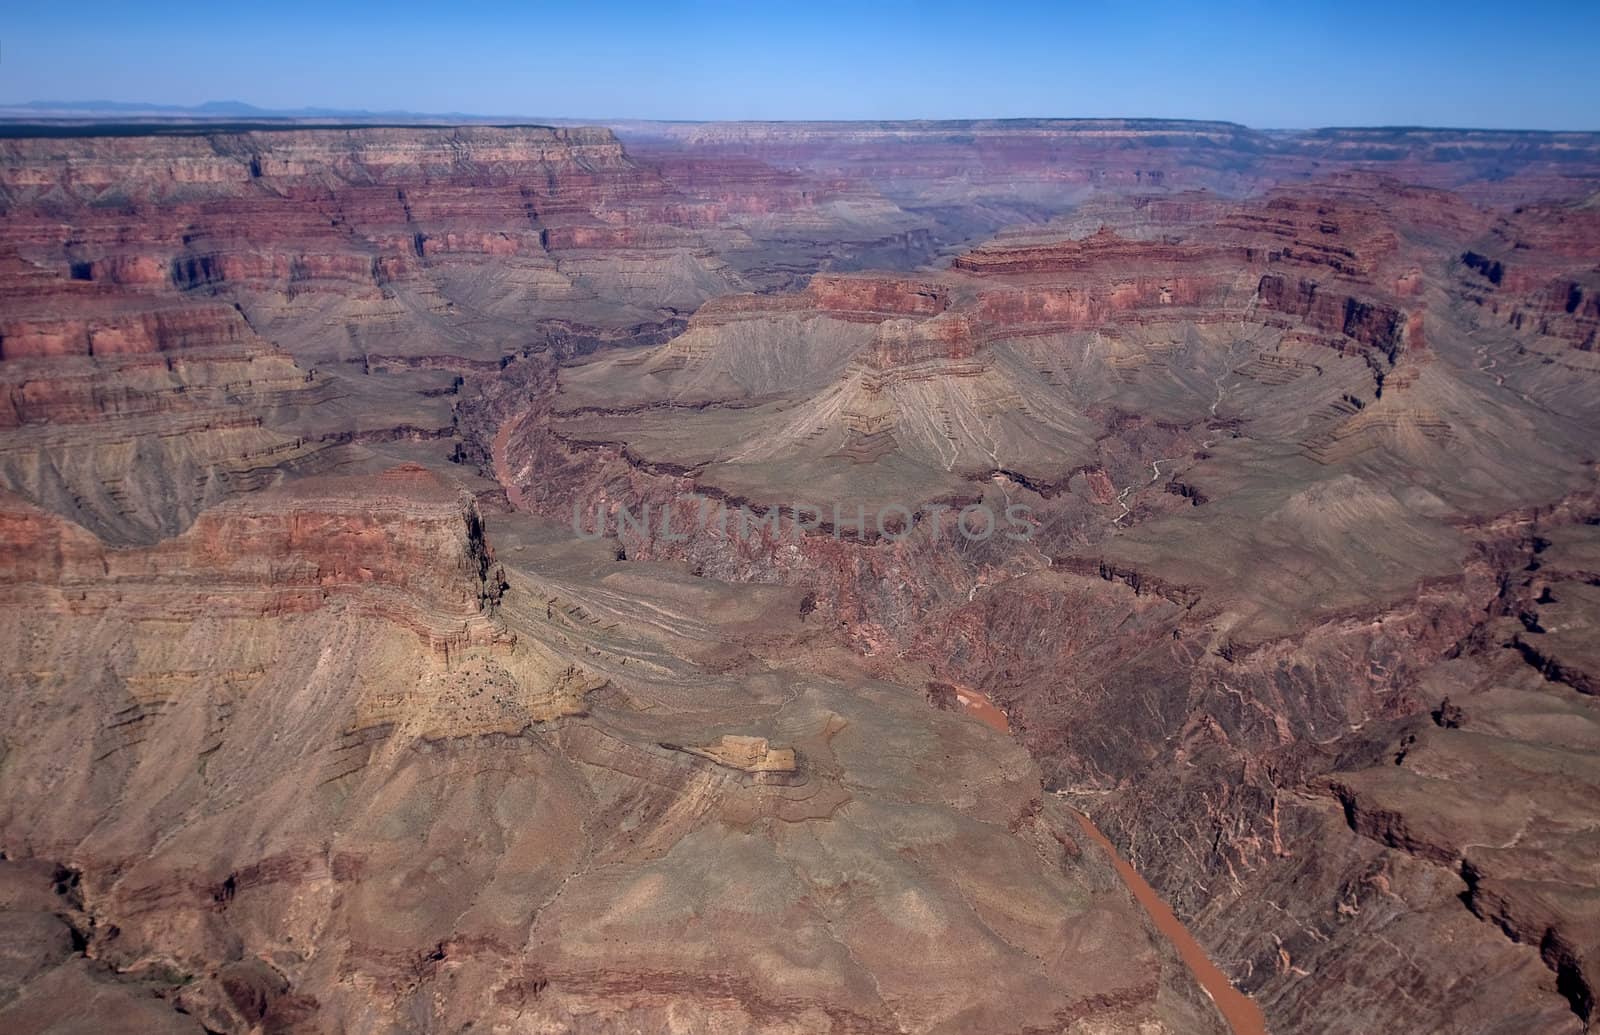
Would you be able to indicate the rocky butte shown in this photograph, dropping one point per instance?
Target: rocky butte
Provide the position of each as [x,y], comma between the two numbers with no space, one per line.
[319,714]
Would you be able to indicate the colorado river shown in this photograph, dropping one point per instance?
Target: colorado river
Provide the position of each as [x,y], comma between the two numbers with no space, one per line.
[1238,1009]
[502,467]
[1240,1012]
[984,710]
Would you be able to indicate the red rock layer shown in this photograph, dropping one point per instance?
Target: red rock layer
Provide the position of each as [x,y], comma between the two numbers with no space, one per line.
[137,244]
[404,532]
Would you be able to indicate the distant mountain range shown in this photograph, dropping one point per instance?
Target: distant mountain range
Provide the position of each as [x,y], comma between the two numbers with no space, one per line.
[133,115]
[225,110]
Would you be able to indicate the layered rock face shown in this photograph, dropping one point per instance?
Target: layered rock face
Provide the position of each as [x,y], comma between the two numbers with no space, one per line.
[422,253]
[144,244]
[1283,459]
[320,713]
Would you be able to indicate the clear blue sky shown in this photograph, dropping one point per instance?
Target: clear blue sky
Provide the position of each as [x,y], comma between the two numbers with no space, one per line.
[1509,63]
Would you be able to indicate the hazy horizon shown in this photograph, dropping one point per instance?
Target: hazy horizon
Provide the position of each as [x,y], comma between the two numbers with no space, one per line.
[233,109]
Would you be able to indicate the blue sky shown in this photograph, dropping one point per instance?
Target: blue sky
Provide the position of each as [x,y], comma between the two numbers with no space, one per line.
[1285,64]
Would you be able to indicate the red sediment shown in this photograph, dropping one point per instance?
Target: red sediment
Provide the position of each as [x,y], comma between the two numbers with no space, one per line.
[502,470]
[979,706]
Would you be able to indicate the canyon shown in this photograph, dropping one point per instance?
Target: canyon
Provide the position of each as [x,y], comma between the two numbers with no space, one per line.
[343,691]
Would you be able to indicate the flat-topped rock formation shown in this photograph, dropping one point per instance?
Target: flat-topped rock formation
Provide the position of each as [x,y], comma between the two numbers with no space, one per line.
[1024,165]
[748,754]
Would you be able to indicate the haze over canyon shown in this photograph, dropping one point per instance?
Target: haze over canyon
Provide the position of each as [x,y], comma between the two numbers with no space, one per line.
[369,663]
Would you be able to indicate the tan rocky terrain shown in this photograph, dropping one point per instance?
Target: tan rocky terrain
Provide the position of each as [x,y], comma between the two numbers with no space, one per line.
[327,707]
